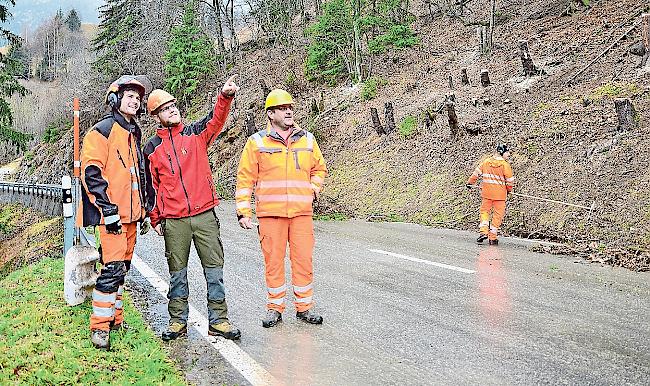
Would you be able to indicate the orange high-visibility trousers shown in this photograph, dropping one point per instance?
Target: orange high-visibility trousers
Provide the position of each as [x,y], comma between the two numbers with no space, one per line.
[275,233]
[497,208]
[107,306]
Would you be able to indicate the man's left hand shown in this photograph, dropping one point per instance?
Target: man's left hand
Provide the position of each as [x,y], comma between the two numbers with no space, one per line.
[145,226]
[230,88]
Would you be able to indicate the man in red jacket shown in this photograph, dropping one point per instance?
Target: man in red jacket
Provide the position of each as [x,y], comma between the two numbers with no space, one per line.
[181,200]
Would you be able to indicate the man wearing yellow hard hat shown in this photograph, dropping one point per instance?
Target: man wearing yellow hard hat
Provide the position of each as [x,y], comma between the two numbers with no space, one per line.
[181,199]
[284,166]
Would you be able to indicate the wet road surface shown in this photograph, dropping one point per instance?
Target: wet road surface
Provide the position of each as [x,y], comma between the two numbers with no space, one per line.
[406,304]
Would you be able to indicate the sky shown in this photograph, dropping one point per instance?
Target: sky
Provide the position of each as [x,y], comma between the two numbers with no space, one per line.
[30,13]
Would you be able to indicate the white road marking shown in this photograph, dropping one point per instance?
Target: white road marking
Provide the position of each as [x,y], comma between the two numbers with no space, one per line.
[238,358]
[415,259]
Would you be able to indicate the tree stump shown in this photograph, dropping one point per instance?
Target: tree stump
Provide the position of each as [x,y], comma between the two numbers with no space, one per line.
[388,118]
[464,77]
[485,78]
[453,119]
[250,123]
[626,114]
[376,123]
[451,82]
[646,38]
[526,60]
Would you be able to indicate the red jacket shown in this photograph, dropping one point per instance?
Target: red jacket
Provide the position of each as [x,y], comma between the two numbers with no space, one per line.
[178,172]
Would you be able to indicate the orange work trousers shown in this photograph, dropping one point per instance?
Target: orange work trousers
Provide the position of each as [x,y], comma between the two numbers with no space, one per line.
[496,208]
[275,233]
[107,300]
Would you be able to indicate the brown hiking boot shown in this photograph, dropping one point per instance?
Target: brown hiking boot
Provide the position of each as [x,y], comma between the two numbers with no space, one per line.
[100,339]
[224,329]
[481,238]
[494,242]
[174,331]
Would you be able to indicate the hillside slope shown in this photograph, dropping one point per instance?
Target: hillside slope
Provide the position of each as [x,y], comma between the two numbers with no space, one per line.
[564,136]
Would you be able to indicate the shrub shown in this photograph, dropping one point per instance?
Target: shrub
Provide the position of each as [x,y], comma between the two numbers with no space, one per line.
[408,126]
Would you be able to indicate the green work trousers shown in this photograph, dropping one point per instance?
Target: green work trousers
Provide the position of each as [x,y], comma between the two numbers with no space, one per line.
[179,233]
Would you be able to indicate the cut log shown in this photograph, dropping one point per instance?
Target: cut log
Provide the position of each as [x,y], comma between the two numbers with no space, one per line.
[453,119]
[250,123]
[463,76]
[627,119]
[389,118]
[485,78]
[646,38]
[376,123]
[526,60]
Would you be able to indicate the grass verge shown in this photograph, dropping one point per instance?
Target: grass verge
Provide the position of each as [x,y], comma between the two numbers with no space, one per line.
[44,341]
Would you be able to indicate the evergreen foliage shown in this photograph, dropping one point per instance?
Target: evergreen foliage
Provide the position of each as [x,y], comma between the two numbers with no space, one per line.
[9,85]
[120,19]
[336,50]
[73,21]
[190,58]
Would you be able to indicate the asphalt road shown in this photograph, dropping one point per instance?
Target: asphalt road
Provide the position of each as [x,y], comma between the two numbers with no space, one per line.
[407,304]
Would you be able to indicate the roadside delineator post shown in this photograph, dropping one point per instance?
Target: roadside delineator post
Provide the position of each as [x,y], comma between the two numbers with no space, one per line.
[76,167]
[68,214]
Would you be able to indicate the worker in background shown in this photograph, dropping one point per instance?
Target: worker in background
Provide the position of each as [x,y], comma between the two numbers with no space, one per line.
[284,166]
[181,201]
[496,182]
[112,174]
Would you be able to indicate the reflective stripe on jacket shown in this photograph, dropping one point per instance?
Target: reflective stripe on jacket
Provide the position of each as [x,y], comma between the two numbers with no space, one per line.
[179,178]
[112,172]
[496,178]
[285,177]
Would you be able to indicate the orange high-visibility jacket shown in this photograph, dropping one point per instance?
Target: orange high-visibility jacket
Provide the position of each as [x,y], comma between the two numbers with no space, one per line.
[496,178]
[112,172]
[285,176]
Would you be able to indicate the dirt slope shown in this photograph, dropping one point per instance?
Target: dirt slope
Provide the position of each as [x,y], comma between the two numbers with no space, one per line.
[564,137]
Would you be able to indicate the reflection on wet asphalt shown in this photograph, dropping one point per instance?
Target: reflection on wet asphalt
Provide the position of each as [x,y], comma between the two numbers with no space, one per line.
[517,318]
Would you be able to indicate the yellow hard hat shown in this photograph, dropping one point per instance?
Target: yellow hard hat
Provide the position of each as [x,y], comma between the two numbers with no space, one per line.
[278,97]
[158,98]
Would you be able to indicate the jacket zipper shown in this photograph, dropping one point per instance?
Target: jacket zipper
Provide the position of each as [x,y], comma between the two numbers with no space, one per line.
[171,165]
[180,174]
[119,156]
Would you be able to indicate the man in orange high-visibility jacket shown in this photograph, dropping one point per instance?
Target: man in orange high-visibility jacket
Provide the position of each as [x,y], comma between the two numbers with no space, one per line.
[284,166]
[496,182]
[112,174]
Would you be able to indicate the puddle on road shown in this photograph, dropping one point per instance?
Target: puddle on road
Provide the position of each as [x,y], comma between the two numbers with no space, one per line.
[196,358]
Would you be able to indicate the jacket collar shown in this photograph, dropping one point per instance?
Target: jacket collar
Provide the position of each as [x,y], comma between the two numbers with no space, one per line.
[132,127]
[296,133]
[163,132]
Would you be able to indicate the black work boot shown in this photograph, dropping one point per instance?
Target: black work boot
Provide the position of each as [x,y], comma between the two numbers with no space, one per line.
[481,238]
[309,316]
[494,242]
[271,318]
[224,329]
[174,331]
[100,339]
[120,327]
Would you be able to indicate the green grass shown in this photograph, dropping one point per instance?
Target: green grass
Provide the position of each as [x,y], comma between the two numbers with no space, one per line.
[616,90]
[408,126]
[44,341]
[330,217]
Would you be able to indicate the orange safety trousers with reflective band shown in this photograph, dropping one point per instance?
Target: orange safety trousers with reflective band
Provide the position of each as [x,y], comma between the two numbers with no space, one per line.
[107,307]
[275,233]
[498,210]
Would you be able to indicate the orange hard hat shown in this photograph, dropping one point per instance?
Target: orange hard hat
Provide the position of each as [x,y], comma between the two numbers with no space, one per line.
[158,98]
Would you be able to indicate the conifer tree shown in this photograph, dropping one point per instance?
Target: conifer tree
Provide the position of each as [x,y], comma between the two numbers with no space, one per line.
[73,21]
[190,57]
[9,85]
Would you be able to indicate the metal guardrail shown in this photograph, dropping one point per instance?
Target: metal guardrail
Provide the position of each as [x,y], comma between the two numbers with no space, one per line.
[42,197]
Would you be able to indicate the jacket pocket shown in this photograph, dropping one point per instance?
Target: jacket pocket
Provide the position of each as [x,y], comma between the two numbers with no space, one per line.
[171,165]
